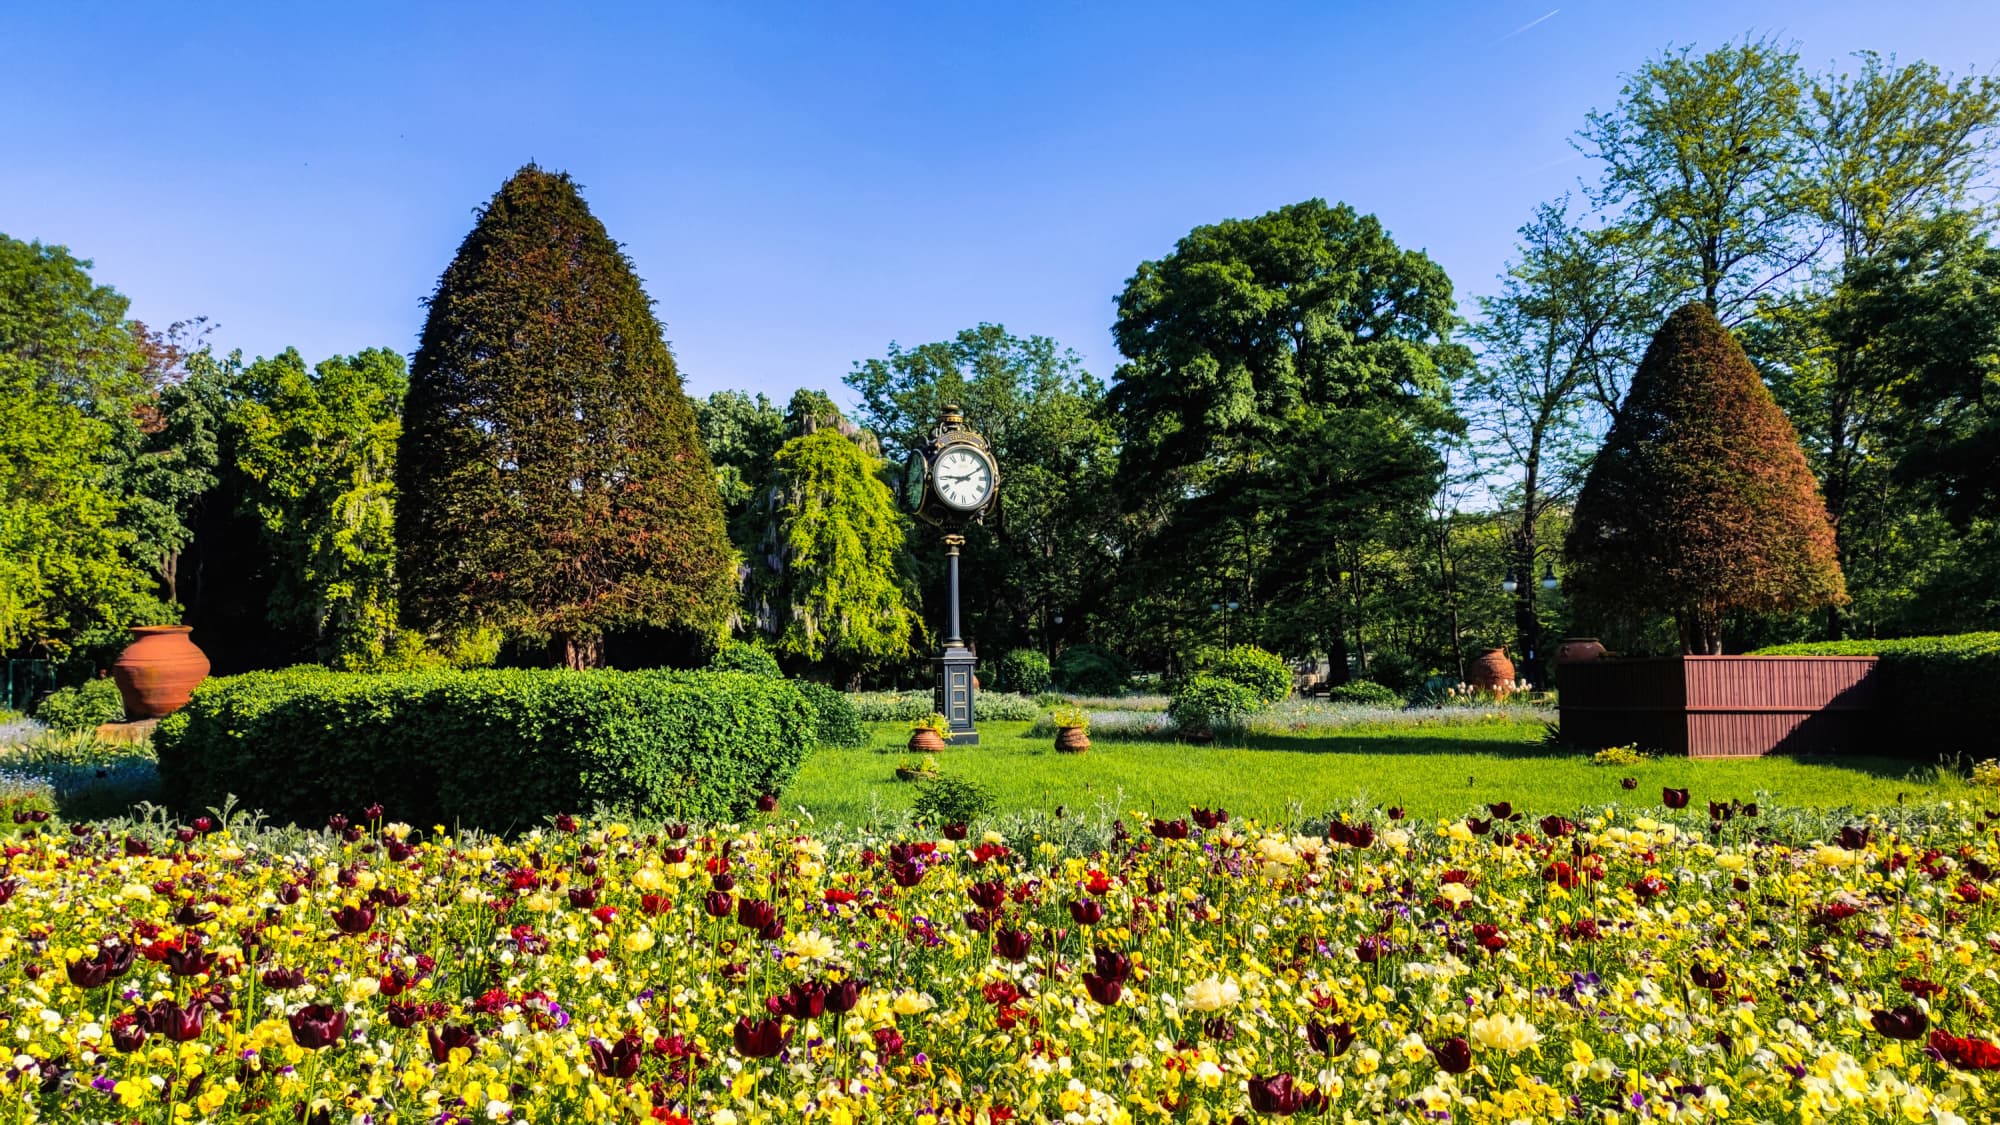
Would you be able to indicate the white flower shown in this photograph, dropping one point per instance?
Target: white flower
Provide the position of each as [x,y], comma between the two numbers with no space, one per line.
[1511,1034]
[1213,995]
[812,945]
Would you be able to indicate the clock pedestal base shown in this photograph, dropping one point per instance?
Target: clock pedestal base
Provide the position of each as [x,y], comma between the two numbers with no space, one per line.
[954,693]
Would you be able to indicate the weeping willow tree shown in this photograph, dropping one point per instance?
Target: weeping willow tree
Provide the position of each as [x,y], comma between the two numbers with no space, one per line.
[828,594]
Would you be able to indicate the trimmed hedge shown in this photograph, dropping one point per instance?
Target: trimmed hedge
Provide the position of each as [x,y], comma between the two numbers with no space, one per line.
[1206,700]
[1264,672]
[839,724]
[1934,694]
[744,656]
[493,749]
[1367,693]
[86,706]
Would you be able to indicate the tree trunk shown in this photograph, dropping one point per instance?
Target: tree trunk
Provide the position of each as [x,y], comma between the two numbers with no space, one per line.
[1701,631]
[578,652]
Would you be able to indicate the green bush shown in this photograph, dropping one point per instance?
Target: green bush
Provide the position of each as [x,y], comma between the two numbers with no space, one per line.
[949,799]
[494,749]
[1367,693]
[745,657]
[1204,701]
[1264,672]
[1089,670]
[1024,672]
[838,723]
[84,707]
[1931,693]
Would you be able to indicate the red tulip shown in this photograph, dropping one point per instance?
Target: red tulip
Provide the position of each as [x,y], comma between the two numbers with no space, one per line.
[1965,1053]
[758,1039]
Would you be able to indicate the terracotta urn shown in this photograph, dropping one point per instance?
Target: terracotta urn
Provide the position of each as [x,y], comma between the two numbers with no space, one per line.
[158,671]
[1493,672]
[1579,648]
[1072,740]
[926,741]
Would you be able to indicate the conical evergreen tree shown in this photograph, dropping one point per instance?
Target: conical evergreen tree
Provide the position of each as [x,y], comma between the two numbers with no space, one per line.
[551,480]
[1700,502]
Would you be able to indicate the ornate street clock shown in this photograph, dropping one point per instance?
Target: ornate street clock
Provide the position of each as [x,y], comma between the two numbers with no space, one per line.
[950,482]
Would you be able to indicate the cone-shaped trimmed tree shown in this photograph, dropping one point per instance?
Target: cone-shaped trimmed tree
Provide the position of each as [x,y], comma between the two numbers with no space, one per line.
[551,480]
[1700,502]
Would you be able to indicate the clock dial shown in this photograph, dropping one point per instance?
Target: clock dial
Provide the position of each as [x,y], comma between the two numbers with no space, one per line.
[964,478]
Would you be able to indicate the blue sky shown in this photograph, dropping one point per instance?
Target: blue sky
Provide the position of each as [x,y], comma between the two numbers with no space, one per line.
[801,184]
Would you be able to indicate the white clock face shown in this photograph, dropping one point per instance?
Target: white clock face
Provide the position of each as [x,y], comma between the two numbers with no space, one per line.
[964,478]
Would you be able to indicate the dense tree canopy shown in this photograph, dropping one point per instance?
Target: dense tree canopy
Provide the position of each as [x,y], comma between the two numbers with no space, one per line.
[1700,504]
[551,480]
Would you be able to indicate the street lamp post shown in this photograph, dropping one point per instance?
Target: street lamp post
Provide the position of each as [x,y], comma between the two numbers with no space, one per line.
[1522,584]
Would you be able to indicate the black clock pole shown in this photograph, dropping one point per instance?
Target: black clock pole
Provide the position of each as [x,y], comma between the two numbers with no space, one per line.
[955,663]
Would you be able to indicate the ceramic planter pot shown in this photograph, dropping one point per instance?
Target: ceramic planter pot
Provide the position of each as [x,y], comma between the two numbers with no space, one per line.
[1493,672]
[158,671]
[1072,740]
[1579,648]
[926,741]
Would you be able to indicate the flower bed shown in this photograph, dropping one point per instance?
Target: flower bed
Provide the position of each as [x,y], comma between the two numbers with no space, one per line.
[1491,969]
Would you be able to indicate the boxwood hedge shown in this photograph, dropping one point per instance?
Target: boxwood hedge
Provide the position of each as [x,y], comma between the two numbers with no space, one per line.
[1933,695]
[493,749]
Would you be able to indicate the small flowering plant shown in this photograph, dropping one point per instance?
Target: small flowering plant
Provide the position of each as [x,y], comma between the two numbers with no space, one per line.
[1694,960]
[1070,718]
[1620,756]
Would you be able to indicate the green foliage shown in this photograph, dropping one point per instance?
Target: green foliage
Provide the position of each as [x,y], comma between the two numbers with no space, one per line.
[834,539]
[497,749]
[1265,673]
[1204,701]
[904,706]
[86,706]
[317,448]
[951,799]
[1068,717]
[1366,693]
[1090,670]
[69,368]
[838,723]
[1700,504]
[1025,671]
[550,479]
[741,435]
[747,657]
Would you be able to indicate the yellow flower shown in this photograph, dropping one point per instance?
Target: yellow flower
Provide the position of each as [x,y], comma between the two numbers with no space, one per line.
[1213,995]
[1512,1034]
[813,945]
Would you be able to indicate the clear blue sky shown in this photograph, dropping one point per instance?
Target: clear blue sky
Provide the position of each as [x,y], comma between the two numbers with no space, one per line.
[801,184]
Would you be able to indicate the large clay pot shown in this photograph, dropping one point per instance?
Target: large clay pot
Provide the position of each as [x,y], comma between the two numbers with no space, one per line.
[1493,672]
[1579,648]
[1072,740]
[158,671]
[926,741]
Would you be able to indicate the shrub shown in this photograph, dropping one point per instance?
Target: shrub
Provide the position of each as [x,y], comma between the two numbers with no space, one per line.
[1024,672]
[1264,672]
[746,657]
[1089,670]
[1071,717]
[1205,700]
[838,723]
[950,799]
[495,749]
[1930,692]
[1366,693]
[86,706]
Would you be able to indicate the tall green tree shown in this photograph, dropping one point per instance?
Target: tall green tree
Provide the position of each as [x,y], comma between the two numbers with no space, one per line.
[69,367]
[1701,155]
[551,480]
[1700,504]
[1565,329]
[1267,360]
[317,448]
[829,593]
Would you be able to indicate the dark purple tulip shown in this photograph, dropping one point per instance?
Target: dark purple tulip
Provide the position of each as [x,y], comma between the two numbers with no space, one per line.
[804,1000]
[1453,1055]
[354,920]
[841,998]
[1906,1022]
[317,1026]
[620,1060]
[1104,990]
[755,914]
[1112,964]
[1012,944]
[1330,1041]
[283,979]
[1086,911]
[175,1022]
[444,1040]
[719,904]
[989,895]
[758,1039]
[1674,798]
[767,802]
[1275,1095]
[957,830]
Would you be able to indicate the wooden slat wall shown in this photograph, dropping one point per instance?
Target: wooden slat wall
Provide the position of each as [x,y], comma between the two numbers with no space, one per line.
[1720,706]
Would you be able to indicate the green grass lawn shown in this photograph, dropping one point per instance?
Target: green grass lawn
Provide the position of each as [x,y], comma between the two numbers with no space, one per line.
[1433,770]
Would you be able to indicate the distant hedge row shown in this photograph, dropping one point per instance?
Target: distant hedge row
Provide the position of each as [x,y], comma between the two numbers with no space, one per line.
[495,749]
[1934,695]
